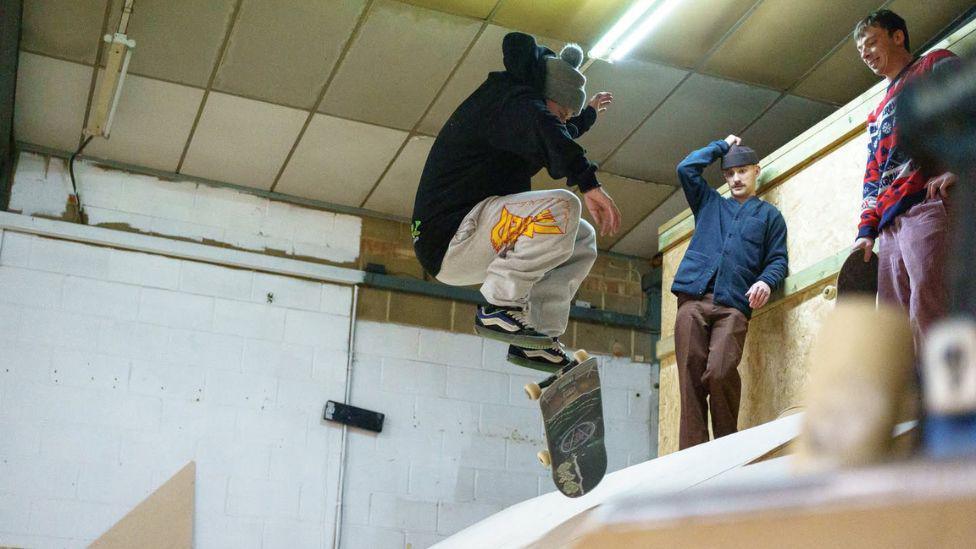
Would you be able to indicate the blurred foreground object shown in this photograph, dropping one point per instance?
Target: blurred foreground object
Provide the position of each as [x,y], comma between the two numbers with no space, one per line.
[860,370]
[938,125]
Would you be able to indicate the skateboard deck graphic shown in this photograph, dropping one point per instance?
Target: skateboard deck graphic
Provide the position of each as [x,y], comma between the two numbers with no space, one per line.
[858,277]
[572,412]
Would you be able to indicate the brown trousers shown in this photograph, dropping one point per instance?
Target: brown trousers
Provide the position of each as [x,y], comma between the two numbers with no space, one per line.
[708,341]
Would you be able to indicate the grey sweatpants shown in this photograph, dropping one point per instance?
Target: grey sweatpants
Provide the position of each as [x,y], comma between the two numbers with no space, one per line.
[526,250]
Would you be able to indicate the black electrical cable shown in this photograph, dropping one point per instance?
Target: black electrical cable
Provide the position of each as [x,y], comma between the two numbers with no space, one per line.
[71,171]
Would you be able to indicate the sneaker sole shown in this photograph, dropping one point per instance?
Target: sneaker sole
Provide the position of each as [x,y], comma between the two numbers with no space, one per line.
[527,342]
[533,364]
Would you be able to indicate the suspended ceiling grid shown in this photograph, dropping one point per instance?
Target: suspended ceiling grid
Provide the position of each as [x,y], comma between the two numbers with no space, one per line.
[338,101]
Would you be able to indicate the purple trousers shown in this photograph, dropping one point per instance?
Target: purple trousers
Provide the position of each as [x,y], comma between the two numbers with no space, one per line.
[911,264]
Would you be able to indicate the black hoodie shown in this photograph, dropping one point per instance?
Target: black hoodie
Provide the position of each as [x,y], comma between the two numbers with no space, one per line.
[493,144]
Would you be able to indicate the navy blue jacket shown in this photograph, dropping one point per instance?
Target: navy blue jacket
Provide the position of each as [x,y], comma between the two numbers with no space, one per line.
[493,144]
[738,244]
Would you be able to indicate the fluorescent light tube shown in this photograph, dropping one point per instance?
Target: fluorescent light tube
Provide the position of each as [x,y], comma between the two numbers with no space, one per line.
[641,32]
[633,15]
[632,28]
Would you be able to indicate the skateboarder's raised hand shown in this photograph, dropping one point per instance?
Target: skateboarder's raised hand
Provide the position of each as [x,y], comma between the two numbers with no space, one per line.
[604,210]
[601,101]
[733,140]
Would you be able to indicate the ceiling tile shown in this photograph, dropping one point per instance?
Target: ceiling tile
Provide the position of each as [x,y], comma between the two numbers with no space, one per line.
[400,59]
[787,119]
[151,124]
[642,240]
[782,40]
[843,76]
[176,40]
[702,110]
[396,192]
[258,63]
[485,56]
[637,88]
[582,21]
[242,141]
[839,79]
[69,29]
[635,199]
[926,19]
[339,160]
[50,102]
[480,9]
[691,30]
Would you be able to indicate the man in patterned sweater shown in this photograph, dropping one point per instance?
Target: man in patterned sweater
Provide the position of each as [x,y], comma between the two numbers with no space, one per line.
[902,206]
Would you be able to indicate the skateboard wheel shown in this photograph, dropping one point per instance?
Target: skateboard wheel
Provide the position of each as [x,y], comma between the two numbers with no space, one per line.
[544,458]
[581,355]
[533,391]
[830,292]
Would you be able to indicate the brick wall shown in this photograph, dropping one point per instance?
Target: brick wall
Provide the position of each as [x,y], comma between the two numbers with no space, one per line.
[460,438]
[119,367]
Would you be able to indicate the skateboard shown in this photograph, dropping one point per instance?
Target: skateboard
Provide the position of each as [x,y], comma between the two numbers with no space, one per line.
[858,277]
[572,412]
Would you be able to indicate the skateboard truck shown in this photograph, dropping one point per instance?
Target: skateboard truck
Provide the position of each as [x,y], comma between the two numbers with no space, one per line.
[534,390]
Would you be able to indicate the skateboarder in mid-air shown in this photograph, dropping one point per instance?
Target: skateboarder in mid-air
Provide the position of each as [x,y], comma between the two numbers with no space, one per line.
[475,219]
[736,257]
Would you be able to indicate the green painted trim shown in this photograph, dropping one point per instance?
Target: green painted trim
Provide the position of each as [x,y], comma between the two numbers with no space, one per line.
[794,284]
[467,295]
[838,128]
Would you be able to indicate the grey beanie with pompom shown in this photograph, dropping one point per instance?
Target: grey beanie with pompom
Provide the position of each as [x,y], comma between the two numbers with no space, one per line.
[564,82]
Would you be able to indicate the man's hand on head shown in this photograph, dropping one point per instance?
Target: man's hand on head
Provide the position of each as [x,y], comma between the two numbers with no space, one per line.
[759,294]
[601,101]
[604,211]
[733,140]
[938,187]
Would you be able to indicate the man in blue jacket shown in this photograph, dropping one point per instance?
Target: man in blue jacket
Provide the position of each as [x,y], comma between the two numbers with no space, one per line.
[476,219]
[736,257]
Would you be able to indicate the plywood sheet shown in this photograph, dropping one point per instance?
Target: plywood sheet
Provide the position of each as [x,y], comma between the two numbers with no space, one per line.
[822,203]
[669,407]
[669,302]
[774,365]
[164,520]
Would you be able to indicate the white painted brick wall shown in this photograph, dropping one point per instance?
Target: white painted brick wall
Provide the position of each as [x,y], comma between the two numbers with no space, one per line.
[119,367]
[114,376]
[460,438]
[179,208]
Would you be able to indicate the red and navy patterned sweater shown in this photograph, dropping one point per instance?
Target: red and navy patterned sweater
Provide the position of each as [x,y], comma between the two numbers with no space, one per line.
[893,183]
